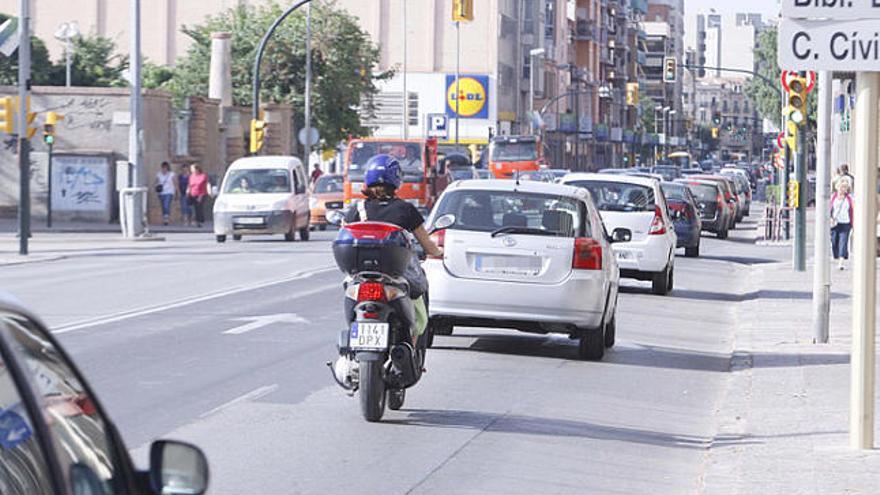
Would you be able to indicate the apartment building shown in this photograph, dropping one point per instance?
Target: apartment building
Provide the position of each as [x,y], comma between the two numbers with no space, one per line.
[741,127]
[723,41]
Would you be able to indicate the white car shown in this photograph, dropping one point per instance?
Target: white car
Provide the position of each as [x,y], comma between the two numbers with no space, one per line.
[531,256]
[637,204]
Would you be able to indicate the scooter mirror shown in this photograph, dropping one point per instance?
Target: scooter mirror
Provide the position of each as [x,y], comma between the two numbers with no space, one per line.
[335,217]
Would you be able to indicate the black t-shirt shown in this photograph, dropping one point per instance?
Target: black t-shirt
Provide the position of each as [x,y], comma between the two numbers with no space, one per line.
[396,211]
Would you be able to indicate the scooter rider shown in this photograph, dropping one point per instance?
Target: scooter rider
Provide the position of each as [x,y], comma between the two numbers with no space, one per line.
[382,178]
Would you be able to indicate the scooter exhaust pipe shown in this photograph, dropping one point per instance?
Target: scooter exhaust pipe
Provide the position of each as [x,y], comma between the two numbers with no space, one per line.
[402,359]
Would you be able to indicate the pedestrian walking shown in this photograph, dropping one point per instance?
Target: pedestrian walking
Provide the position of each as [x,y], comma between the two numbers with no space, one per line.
[199,185]
[166,188]
[183,187]
[841,223]
[316,173]
[843,175]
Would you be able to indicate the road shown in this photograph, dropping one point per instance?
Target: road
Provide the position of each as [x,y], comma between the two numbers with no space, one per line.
[225,345]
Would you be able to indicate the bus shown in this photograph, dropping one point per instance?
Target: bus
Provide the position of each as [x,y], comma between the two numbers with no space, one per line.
[511,154]
[681,159]
[424,178]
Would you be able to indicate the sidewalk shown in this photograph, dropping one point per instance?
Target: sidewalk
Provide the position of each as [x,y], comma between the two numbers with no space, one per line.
[10,226]
[783,423]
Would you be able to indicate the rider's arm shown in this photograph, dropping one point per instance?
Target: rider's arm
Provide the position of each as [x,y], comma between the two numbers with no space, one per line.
[427,244]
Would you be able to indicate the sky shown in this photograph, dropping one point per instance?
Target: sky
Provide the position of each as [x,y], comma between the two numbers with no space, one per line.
[767,7]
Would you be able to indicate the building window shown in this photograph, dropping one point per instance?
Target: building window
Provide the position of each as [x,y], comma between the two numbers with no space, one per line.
[529,17]
[724,106]
[413,108]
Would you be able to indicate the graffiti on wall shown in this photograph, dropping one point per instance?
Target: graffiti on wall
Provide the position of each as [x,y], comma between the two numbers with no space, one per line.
[80,183]
[91,112]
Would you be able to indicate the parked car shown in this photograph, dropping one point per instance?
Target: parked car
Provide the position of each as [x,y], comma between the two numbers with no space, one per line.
[691,171]
[542,175]
[463,173]
[460,167]
[56,437]
[636,204]
[616,171]
[484,174]
[729,193]
[558,173]
[327,195]
[743,187]
[667,172]
[685,217]
[263,195]
[533,257]
[715,211]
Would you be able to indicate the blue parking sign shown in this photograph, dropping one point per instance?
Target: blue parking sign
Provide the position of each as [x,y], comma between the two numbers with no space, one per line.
[13,429]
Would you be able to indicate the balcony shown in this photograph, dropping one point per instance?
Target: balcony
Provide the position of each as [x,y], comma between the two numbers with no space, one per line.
[585,30]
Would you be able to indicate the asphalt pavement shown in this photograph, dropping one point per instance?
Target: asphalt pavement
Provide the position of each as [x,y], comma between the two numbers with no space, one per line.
[225,345]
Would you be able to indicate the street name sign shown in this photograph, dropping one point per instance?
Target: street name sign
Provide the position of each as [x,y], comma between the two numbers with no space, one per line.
[835,45]
[831,9]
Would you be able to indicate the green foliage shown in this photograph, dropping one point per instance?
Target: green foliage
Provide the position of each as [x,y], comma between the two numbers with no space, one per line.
[155,76]
[646,109]
[343,57]
[41,65]
[94,63]
[765,97]
[772,193]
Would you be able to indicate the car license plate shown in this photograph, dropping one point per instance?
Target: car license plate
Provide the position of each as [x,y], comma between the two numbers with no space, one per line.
[334,206]
[508,265]
[250,220]
[369,335]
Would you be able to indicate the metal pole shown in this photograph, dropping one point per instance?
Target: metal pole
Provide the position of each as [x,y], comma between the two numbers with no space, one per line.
[577,119]
[49,196]
[405,122]
[531,94]
[864,268]
[307,144]
[800,213]
[786,176]
[68,51]
[24,160]
[822,241]
[457,77]
[136,127]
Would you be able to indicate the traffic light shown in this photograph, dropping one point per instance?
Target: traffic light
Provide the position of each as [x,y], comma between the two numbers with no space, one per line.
[632,94]
[52,119]
[7,115]
[791,135]
[716,119]
[797,100]
[715,132]
[462,10]
[669,69]
[258,134]
[793,194]
[31,116]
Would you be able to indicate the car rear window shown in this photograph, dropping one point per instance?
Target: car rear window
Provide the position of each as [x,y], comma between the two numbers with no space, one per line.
[619,196]
[674,191]
[704,192]
[488,211]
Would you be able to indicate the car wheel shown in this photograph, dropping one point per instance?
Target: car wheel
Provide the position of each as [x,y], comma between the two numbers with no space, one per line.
[322,228]
[236,237]
[660,282]
[671,283]
[304,234]
[692,252]
[592,345]
[722,234]
[441,327]
[221,239]
[289,237]
[611,332]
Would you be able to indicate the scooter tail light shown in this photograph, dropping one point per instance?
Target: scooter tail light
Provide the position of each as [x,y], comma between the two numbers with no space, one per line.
[371,291]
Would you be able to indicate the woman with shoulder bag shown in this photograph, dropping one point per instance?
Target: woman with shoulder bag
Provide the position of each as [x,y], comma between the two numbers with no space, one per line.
[841,223]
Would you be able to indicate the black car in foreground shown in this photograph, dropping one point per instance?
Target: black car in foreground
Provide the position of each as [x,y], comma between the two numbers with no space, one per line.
[56,439]
[715,213]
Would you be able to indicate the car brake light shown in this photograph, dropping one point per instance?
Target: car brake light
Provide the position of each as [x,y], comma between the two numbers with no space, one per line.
[371,291]
[439,239]
[658,226]
[587,254]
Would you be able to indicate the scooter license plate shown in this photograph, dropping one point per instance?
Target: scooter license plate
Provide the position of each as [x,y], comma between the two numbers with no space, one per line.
[369,336]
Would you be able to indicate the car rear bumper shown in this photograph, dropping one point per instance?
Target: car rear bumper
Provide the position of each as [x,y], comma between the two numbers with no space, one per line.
[274,222]
[579,300]
[649,255]
[687,234]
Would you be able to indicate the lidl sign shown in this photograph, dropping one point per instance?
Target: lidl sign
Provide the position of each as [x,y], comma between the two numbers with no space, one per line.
[470,96]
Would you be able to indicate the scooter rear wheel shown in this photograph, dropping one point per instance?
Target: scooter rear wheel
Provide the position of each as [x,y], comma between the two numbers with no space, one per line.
[371,389]
[396,398]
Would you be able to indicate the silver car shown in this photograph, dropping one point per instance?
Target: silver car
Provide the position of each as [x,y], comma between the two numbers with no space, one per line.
[530,256]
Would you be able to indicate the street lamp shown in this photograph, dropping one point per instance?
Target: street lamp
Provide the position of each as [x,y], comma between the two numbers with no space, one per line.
[66,32]
[535,52]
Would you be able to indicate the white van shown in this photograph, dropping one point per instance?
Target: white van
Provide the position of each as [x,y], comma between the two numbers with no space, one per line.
[263,195]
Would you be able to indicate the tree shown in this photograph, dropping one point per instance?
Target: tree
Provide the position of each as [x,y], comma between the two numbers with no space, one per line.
[94,62]
[765,97]
[41,65]
[343,58]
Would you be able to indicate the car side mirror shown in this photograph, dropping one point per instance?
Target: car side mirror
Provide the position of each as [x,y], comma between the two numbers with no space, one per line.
[443,222]
[177,468]
[335,217]
[621,235]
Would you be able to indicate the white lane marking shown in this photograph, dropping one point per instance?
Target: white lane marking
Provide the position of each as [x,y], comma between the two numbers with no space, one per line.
[248,397]
[257,322]
[125,315]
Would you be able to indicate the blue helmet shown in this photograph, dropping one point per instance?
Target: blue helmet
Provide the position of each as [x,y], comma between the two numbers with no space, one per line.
[383,169]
